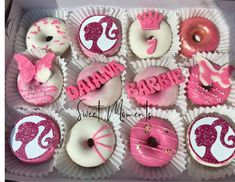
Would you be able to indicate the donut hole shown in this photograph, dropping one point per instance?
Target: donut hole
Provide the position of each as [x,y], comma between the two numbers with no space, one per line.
[49,38]
[207,87]
[197,37]
[150,37]
[152,142]
[90,142]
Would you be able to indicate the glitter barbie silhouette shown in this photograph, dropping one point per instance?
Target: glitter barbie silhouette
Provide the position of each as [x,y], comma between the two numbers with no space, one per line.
[94,30]
[206,135]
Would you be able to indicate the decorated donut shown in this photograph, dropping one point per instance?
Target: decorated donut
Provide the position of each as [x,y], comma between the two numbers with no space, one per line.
[34,138]
[39,82]
[211,141]
[150,36]
[153,142]
[100,34]
[209,84]
[98,83]
[155,86]
[198,34]
[49,34]
[90,142]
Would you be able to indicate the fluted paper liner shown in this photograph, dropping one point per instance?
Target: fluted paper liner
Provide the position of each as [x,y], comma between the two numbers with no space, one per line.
[14,165]
[219,59]
[67,167]
[79,15]
[170,17]
[169,63]
[214,15]
[32,16]
[175,167]
[197,170]
[13,97]
[75,66]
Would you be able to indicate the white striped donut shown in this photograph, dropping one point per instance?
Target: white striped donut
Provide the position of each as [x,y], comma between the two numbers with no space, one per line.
[90,142]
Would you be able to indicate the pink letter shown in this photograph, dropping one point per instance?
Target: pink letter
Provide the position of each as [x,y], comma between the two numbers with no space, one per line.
[164,81]
[72,92]
[131,90]
[117,68]
[177,76]
[143,89]
[153,84]
[97,79]
[83,88]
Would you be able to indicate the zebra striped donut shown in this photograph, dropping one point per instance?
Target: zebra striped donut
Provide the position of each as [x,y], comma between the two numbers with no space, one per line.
[90,142]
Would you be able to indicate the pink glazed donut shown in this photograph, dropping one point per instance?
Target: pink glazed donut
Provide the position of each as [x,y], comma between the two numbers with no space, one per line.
[100,34]
[34,138]
[153,143]
[198,34]
[217,89]
[158,98]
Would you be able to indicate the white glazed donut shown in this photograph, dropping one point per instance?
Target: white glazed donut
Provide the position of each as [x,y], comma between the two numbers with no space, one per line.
[150,42]
[48,34]
[90,142]
[39,83]
[107,94]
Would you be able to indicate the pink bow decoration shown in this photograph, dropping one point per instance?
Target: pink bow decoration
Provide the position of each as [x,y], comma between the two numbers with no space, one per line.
[28,70]
[208,74]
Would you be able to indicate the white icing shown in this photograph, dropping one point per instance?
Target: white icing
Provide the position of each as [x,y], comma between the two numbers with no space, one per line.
[103,42]
[39,39]
[138,39]
[43,75]
[76,145]
[219,151]
[32,149]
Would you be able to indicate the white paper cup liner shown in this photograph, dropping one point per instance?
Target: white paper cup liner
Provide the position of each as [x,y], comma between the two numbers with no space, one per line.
[171,18]
[75,66]
[67,167]
[178,163]
[197,170]
[14,165]
[79,15]
[13,97]
[219,59]
[167,62]
[29,18]
[214,15]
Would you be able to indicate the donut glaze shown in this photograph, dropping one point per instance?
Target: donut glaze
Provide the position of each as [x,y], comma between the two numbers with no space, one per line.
[211,95]
[34,138]
[49,34]
[158,98]
[150,42]
[198,34]
[39,82]
[211,141]
[90,142]
[100,34]
[153,142]
[106,94]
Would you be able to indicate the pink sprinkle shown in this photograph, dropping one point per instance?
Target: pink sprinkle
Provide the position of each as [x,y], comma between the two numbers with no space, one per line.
[65,37]
[45,22]
[56,41]
[57,27]
[38,29]
[55,22]
[34,32]
[60,32]
[62,43]
[34,46]
[46,47]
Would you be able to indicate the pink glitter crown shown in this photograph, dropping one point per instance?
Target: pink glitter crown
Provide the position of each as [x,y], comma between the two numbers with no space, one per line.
[150,20]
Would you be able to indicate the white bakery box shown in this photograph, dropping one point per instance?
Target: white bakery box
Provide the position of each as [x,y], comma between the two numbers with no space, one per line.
[20,7]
